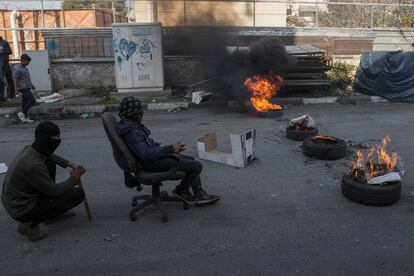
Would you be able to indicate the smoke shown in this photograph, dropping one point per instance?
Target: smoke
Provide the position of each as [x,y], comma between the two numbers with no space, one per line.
[232,56]
[265,56]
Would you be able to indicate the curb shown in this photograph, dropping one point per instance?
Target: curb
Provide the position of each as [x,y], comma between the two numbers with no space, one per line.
[76,110]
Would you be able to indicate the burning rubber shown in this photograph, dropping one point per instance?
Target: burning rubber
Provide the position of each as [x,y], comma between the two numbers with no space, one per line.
[374,178]
[375,195]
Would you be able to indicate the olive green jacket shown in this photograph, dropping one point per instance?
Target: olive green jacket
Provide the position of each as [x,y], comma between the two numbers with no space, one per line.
[28,178]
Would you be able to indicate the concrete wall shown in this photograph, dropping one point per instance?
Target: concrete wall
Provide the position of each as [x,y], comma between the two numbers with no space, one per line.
[96,72]
[83,73]
[101,73]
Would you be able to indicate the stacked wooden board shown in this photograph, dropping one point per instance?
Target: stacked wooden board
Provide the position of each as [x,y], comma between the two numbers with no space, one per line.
[309,71]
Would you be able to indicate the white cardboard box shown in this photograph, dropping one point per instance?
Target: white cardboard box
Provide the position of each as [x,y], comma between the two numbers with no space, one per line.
[3,168]
[243,149]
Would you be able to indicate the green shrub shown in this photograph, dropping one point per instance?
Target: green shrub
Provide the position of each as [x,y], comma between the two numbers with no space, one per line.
[342,75]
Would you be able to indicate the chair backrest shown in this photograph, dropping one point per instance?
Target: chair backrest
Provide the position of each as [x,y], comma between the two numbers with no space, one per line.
[122,154]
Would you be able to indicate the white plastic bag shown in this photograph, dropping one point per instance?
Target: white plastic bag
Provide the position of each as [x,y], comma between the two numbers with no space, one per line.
[305,121]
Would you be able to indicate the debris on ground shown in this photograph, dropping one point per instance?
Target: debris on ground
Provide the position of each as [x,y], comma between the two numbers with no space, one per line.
[200,95]
[51,98]
[278,140]
[359,145]
[111,237]
[303,122]
[87,116]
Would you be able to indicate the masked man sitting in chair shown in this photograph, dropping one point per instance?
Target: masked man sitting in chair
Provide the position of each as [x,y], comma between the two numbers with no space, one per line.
[155,157]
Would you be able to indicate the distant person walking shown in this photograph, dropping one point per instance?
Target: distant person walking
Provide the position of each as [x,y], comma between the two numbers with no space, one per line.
[5,52]
[24,85]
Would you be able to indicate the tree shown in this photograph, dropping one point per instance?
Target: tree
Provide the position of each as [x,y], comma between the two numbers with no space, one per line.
[355,15]
[405,16]
[119,5]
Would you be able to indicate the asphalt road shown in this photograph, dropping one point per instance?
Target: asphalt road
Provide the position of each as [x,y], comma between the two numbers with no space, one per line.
[284,214]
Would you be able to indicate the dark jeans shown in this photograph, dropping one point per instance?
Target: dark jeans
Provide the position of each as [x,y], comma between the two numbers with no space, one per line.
[2,94]
[188,164]
[10,83]
[27,100]
[48,208]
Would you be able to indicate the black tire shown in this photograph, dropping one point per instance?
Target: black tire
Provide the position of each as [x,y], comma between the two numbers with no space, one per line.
[300,135]
[332,151]
[374,195]
[271,113]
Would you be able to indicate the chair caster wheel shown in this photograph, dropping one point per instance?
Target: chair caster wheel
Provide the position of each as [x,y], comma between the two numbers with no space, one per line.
[186,206]
[134,203]
[133,217]
[164,219]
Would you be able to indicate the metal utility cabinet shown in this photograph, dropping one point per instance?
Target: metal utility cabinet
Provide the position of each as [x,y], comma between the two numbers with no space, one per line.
[138,57]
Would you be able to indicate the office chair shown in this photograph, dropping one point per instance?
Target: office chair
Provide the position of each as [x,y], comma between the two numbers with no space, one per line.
[135,175]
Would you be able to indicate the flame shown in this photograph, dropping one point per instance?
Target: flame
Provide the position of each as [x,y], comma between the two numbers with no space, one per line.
[262,89]
[324,138]
[377,161]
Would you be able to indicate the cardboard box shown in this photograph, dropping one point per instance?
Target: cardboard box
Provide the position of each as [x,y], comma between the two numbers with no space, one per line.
[243,149]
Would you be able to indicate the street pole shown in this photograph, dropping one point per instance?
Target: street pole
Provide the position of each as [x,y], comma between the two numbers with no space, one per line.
[43,15]
[113,12]
[129,11]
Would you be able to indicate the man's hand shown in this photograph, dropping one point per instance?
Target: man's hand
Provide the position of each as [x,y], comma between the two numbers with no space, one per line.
[178,147]
[72,165]
[77,172]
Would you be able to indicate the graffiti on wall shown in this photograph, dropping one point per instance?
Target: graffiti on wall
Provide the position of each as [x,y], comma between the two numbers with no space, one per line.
[124,50]
[53,46]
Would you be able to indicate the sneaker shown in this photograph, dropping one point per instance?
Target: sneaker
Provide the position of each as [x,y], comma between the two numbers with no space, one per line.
[186,196]
[31,231]
[21,116]
[27,120]
[205,199]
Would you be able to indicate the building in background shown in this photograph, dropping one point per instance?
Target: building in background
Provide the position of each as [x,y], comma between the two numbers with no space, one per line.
[29,24]
[211,13]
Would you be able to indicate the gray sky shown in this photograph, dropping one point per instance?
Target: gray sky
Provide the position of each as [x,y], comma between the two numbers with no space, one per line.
[34,4]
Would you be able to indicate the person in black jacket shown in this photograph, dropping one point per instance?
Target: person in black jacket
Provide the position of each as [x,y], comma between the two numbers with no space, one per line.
[5,52]
[30,193]
[156,157]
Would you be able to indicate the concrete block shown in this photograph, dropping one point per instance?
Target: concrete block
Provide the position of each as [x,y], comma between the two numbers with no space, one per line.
[354,99]
[376,99]
[167,106]
[323,100]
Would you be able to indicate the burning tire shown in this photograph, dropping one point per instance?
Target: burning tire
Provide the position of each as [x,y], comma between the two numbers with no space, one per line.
[375,195]
[271,113]
[300,135]
[324,147]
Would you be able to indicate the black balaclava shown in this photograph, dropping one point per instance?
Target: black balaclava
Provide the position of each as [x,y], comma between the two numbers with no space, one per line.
[130,109]
[43,143]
